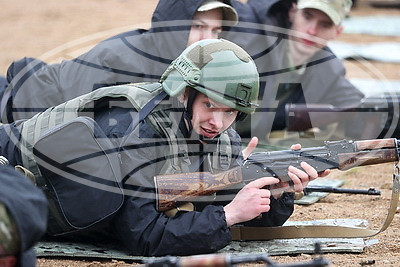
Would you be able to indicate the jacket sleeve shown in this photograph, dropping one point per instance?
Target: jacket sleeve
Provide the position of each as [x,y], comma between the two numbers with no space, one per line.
[145,231]
[326,82]
[9,146]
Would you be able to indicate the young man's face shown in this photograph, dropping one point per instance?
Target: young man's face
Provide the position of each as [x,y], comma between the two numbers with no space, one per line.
[205,25]
[317,25]
[210,118]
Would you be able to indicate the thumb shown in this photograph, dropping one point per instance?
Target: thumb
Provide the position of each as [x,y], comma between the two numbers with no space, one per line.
[250,147]
[262,182]
[295,147]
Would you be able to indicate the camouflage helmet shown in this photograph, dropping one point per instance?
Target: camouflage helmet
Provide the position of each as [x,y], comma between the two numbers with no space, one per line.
[217,68]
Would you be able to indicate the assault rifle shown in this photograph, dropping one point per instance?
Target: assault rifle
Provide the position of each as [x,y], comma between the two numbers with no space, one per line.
[228,260]
[175,189]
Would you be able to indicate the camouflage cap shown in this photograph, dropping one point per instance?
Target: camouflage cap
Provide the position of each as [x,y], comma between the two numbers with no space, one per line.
[336,10]
[230,15]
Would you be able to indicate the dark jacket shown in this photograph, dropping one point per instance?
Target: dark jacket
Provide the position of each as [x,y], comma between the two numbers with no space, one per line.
[137,224]
[134,56]
[262,32]
[28,206]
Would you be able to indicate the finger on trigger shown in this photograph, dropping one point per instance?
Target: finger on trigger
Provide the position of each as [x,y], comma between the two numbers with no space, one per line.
[262,182]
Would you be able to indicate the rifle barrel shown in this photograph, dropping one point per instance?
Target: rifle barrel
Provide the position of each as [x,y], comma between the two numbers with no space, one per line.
[330,189]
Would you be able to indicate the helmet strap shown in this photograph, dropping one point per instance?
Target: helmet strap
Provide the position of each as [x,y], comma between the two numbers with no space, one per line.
[240,116]
[188,112]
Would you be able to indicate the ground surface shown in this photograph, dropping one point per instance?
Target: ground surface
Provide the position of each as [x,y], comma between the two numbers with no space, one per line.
[35,27]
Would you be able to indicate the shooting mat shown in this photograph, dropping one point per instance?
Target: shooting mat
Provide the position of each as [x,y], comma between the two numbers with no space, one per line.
[60,248]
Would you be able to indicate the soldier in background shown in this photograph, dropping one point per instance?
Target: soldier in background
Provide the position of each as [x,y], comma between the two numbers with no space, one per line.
[135,56]
[288,41]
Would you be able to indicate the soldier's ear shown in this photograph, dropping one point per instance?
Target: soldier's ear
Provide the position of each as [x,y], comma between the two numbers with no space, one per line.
[183,98]
[339,30]
[292,12]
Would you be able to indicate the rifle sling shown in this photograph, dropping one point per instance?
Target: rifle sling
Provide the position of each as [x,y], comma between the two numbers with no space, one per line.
[317,231]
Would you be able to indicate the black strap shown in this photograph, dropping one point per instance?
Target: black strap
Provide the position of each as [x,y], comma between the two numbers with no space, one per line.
[151,105]
[145,111]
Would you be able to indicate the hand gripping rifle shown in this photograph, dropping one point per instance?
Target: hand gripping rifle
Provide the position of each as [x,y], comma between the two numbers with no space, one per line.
[175,189]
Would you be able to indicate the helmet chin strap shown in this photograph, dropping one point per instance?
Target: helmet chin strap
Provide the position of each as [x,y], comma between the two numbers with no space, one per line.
[188,113]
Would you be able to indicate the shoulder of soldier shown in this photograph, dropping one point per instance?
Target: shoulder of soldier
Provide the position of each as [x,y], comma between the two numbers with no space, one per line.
[138,93]
[147,86]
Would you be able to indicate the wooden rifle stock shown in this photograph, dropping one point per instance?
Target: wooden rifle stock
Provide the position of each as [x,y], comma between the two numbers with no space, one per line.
[174,189]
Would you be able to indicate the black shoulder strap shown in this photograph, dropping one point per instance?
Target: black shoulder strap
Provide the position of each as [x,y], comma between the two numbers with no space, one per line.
[144,112]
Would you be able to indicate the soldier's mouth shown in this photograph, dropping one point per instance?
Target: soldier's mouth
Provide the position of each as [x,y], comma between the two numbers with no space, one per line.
[308,42]
[208,133]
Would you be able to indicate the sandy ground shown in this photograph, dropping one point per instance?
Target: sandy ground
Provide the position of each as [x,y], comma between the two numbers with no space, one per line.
[51,29]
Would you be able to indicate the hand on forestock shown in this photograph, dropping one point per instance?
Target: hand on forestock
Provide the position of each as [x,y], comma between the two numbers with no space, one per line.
[252,200]
[300,177]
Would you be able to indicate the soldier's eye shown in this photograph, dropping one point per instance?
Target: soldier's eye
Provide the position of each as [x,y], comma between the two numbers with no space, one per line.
[197,26]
